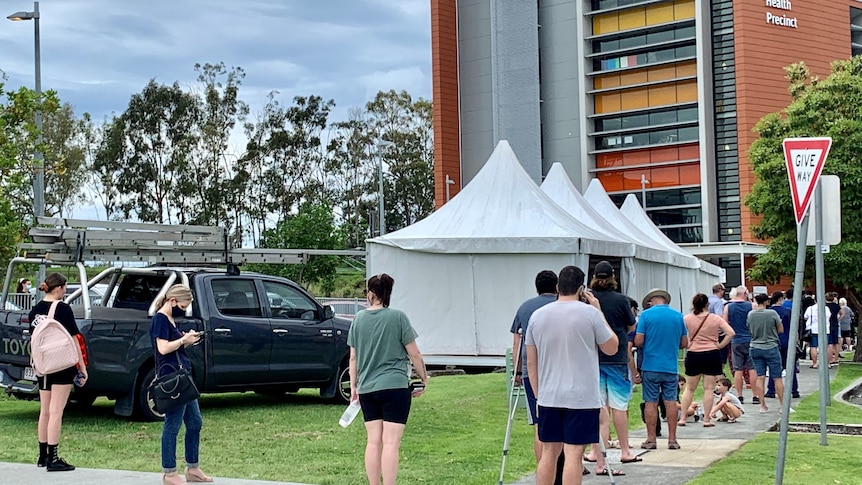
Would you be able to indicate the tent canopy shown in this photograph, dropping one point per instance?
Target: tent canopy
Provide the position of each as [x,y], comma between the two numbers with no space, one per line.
[558,186]
[503,211]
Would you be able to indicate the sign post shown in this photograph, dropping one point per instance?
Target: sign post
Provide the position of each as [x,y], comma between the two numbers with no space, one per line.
[805,158]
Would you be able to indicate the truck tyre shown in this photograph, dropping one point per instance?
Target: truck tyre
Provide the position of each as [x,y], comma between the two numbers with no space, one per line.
[145,409]
[342,390]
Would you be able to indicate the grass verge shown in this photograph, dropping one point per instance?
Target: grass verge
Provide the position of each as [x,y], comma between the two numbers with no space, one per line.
[455,435]
[806,462]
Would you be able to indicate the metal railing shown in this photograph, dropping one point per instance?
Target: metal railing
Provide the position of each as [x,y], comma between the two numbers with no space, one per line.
[345,306]
[23,301]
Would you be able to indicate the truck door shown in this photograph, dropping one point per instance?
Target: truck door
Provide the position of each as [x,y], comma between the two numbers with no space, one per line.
[241,335]
[303,344]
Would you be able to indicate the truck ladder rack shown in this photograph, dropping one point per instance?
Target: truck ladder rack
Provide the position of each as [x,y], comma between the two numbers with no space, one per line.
[78,240]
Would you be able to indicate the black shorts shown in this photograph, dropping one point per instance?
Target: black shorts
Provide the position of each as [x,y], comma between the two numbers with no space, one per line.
[65,376]
[390,405]
[846,333]
[707,363]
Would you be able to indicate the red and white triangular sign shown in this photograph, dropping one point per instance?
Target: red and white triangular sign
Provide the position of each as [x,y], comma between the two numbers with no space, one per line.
[805,158]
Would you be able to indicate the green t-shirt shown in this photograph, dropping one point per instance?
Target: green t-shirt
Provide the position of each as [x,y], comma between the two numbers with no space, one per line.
[379,337]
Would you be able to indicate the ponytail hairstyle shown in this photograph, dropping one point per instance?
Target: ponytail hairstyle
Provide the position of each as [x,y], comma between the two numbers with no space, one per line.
[53,280]
[178,292]
[381,285]
[699,303]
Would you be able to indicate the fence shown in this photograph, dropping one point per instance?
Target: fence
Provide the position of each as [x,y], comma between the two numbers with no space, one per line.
[345,306]
[23,301]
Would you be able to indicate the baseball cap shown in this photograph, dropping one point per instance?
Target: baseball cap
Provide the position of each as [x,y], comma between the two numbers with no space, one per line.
[603,270]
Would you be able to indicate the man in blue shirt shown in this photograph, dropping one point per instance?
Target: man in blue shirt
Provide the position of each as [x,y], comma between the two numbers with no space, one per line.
[546,287]
[736,314]
[660,334]
[778,303]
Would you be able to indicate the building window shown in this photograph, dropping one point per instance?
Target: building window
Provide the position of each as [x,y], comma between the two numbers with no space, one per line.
[656,56]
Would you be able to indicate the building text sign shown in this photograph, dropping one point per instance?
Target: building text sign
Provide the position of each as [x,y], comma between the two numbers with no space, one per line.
[779,18]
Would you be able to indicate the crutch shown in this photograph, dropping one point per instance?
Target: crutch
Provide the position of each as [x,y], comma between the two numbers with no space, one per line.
[513,407]
[607,463]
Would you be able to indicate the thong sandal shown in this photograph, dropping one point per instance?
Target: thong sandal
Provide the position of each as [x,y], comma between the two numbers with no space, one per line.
[635,459]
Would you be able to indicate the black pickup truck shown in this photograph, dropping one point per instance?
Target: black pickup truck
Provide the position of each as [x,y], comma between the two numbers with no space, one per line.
[263,334]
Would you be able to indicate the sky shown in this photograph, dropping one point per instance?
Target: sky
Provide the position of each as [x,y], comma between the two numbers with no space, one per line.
[97,53]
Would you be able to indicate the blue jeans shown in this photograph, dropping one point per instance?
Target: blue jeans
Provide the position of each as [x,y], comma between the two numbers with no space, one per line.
[190,414]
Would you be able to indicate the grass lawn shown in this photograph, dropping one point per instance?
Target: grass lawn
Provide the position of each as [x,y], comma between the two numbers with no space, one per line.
[807,462]
[455,435]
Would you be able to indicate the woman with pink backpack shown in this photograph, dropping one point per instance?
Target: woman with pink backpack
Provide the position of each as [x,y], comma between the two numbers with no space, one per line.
[54,388]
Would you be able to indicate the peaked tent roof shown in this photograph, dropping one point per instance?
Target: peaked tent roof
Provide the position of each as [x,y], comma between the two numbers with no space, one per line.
[502,211]
[632,209]
[559,187]
[599,199]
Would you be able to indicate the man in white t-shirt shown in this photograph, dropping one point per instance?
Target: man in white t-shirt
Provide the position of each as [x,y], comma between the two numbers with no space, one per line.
[812,324]
[563,339]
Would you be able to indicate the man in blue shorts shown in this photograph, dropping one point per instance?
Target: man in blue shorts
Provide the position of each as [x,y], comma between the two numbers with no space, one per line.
[660,333]
[614,381]
[563,368]
[546,287]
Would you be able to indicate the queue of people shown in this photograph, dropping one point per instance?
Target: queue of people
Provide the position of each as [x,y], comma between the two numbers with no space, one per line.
[584,349]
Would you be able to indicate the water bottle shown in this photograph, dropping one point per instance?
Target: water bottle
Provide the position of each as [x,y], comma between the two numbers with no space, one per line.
[349,414]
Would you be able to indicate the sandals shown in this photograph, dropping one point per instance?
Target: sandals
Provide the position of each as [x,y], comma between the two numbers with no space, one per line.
[610,471]
[648,445]
[195,475]
[672,445]
[708,425]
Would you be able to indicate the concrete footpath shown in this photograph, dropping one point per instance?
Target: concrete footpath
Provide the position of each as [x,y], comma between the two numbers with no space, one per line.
[23,474]
[700,446]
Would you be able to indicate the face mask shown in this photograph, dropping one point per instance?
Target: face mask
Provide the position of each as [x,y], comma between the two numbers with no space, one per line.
[28,287]
[177,311]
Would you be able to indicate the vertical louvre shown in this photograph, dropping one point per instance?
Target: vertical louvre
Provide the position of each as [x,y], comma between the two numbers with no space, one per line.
[726,142]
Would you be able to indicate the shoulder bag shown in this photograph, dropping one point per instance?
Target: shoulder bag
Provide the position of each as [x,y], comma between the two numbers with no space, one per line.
[174,389]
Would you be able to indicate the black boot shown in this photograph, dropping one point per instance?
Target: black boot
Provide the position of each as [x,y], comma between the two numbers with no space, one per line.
[55,463]
[43,455]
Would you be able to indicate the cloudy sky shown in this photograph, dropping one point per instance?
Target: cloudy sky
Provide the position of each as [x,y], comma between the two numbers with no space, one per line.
[96,53]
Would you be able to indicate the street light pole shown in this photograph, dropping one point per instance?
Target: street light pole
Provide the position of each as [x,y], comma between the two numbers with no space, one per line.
[39,168]
[381,145]
[644,181]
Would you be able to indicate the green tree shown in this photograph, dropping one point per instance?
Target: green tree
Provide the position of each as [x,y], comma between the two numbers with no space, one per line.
[408,158]
[65,161]
[820,107]
[313,227]
[146,153]
[18,141]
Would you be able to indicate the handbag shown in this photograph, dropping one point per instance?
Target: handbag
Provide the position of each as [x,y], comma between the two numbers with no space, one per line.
[174,389]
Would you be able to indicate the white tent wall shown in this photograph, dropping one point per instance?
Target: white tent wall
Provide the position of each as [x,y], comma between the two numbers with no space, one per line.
[647,275]
[462,304]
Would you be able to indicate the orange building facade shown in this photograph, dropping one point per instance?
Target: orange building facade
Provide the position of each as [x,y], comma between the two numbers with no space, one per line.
[656,98]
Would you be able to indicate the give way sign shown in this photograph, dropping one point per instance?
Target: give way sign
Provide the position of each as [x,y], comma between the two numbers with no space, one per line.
[805,158]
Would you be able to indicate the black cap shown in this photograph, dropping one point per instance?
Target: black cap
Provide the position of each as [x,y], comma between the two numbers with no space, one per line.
[603,270]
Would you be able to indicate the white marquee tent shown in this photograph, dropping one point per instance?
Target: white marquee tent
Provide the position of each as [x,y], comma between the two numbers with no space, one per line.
[461,272]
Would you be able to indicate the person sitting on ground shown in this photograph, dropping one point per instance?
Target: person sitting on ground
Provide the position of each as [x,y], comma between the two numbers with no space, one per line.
[693,409]
[728,404]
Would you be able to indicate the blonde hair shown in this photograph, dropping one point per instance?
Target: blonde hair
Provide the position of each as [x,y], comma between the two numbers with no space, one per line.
[178,292]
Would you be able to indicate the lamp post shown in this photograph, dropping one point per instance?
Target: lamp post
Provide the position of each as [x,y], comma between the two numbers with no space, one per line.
[39,175]
[448,183]
[644,181]
[381,145]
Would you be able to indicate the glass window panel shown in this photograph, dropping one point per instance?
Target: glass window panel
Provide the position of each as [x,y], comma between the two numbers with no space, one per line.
[688,133]
[635,41]
[635,121]
[286,302]
[689,152]
[662,117]
[659,14]
[686,51]
[663,136]
[607,124]
[664,177]
[602,24]
[686,92]
[686,69]
[662,95]
[633,77]
[611,181]
[607,102]
[661,73]
[607,160]
[684,32]
[687,114]
[236,297]
[634,99]
[689,174]
[632,19]
[636,157]
[662,36]
[683,9]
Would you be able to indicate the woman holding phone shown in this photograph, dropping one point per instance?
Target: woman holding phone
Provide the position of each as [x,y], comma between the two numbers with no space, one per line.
[169,344]
[382,343]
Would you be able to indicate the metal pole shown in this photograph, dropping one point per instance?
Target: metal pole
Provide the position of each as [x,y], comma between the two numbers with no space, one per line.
[644,181]
[380,199]
[796,309]
[822,324]
[39,175]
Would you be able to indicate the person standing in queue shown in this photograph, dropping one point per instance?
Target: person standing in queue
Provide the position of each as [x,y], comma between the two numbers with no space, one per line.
[563,343]
[54,389]
[169,344]
[382,343]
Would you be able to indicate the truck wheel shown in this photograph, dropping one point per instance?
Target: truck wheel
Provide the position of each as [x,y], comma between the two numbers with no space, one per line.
[342,391]
[145,409]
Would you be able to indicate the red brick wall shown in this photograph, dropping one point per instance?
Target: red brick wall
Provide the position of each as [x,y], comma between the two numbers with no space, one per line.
[447,133]
[762,51]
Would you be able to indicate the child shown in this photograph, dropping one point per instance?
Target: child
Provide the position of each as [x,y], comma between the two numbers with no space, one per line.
[728,404]
[693,409]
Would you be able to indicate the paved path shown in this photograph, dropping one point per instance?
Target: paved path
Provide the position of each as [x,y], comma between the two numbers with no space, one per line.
[700,446]
[23,474]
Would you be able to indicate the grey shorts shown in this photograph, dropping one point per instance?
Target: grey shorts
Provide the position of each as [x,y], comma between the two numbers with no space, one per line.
[741,357]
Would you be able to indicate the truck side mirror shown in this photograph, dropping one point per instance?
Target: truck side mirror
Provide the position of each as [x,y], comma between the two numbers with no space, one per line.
[328,312]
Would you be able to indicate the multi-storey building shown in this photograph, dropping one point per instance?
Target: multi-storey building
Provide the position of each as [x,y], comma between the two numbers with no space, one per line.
[653,97]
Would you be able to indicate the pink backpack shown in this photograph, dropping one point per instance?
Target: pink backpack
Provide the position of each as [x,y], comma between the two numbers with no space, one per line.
[52,348]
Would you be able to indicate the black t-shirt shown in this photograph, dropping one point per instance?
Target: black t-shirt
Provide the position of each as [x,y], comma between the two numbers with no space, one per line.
[62,314]
[834,325]
[618,313]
